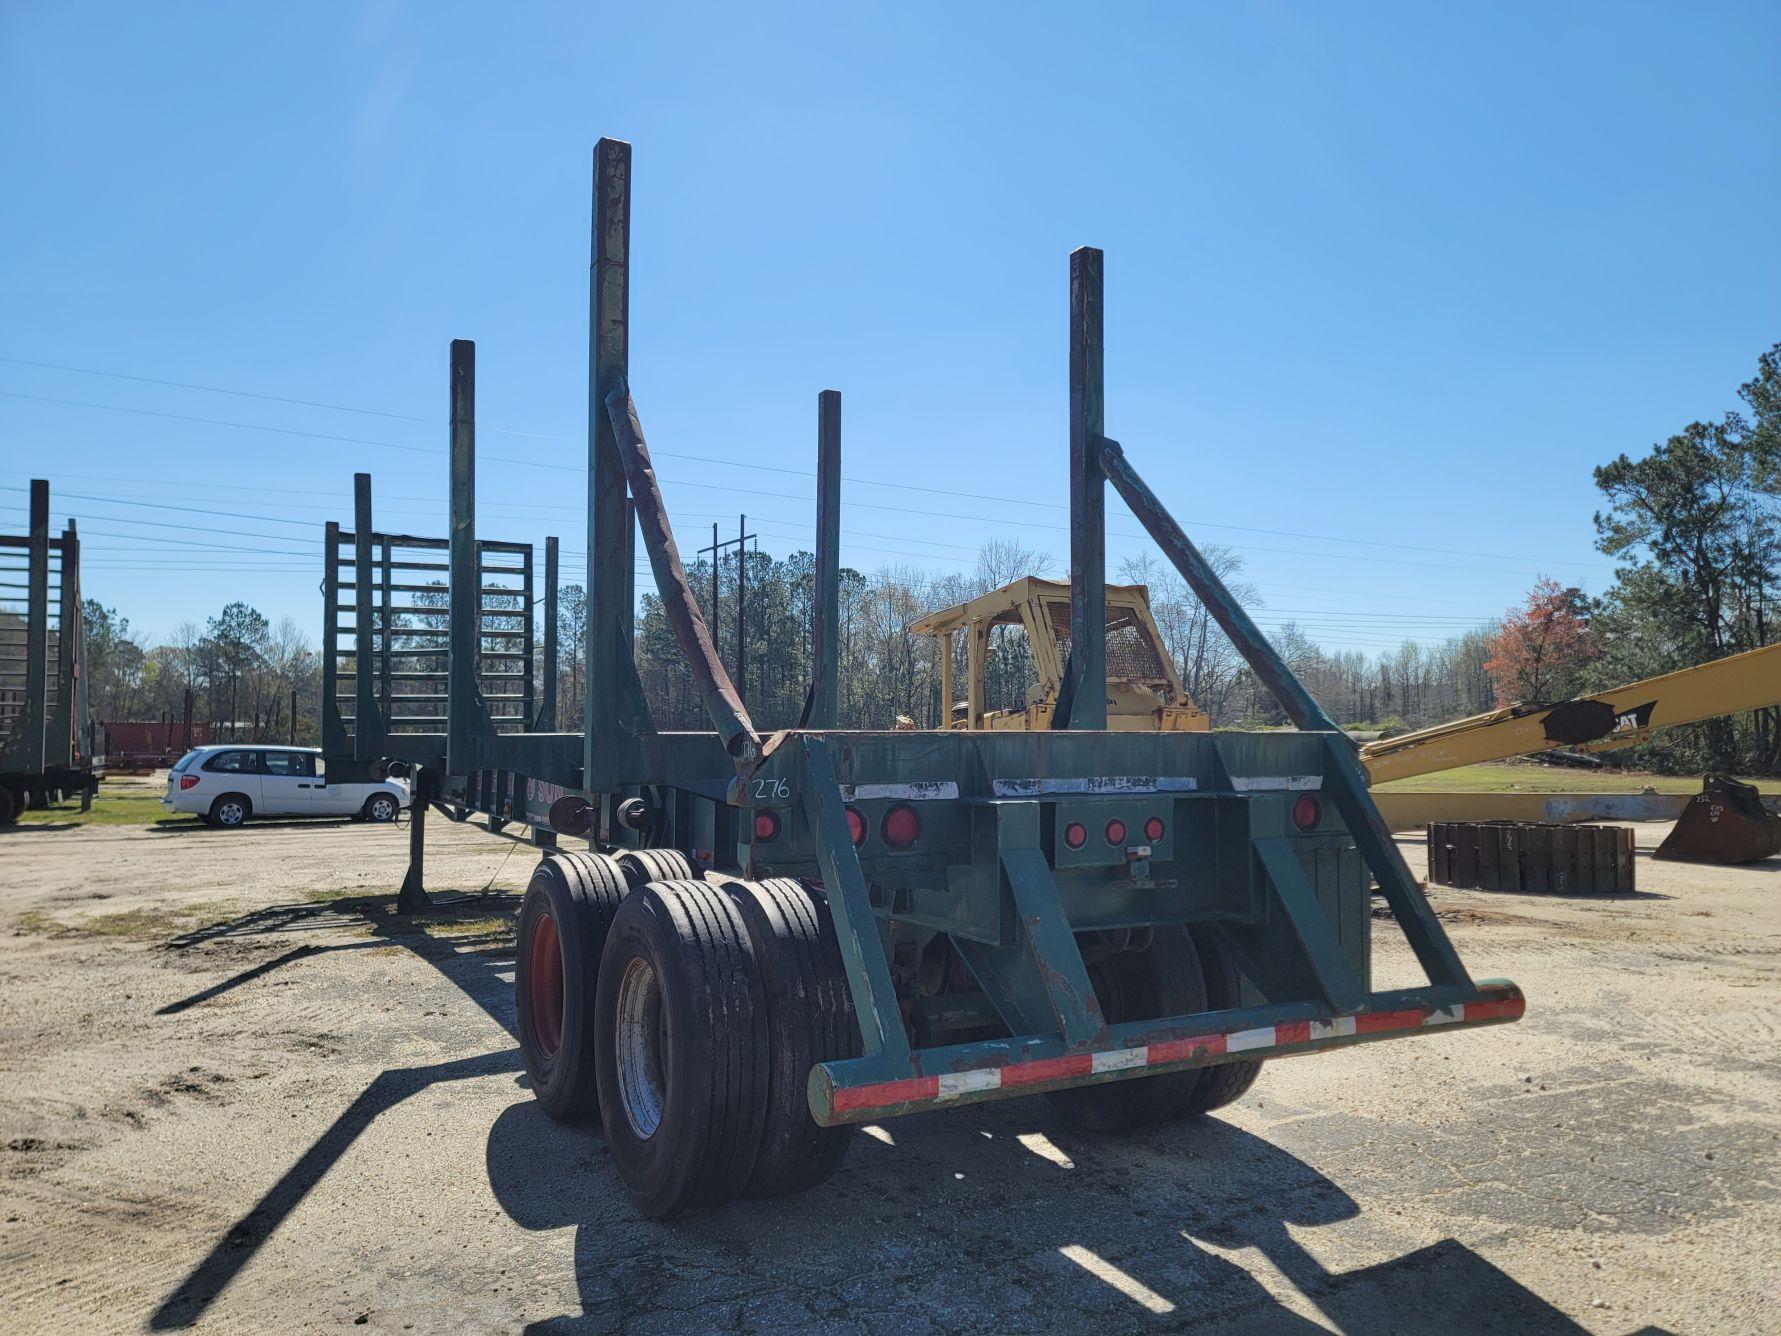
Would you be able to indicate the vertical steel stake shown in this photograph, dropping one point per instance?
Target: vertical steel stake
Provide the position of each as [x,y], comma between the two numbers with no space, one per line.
[466,567]
[825,619]
[367,735]
[1082,700]
[547,709]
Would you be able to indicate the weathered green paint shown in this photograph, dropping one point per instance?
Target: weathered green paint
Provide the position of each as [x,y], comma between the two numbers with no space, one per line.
[546,720]
[1082,700]
[825,621]
[463,714]
[49,743]
[616,713]
[33,724]
[1310,924]
[850,907]
[368,724]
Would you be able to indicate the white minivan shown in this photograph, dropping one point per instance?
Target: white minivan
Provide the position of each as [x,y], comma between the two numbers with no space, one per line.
[226,783]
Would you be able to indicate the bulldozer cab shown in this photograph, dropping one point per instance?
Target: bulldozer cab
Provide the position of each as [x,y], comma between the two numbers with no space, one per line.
[1144,692]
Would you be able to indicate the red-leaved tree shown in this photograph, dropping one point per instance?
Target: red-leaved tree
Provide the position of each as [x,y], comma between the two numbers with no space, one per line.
[1539,651]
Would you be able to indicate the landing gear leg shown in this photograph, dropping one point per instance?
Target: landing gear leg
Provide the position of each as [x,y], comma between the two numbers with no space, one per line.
[412,898]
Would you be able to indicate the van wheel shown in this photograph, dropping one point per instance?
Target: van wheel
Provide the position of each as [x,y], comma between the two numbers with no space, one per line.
[9,806]
[230,810]
[1163,980]
[681,1048]
[381,807]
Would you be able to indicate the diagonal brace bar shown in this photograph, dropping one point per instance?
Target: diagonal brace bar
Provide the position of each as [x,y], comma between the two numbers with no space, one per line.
[728,715]
[850,906]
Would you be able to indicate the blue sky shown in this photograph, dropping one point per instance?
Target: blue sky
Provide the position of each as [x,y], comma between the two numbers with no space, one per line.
[1398,275]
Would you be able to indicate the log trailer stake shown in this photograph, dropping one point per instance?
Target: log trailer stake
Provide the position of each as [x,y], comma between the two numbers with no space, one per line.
[758,939]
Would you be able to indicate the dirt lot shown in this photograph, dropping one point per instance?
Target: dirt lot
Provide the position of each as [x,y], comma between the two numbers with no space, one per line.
[237,1093]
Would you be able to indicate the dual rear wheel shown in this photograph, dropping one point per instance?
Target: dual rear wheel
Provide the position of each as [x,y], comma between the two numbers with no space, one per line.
[688,1014]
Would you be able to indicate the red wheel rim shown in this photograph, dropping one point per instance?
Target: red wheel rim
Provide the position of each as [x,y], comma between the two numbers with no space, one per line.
[546,987]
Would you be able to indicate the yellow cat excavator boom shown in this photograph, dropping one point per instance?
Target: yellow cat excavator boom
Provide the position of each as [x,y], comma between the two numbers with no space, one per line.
[1608,719]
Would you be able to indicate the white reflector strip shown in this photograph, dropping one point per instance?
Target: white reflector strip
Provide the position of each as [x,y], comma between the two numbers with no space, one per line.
[1239,1040]
[1096,786]
[1118,1059]
[1342,1025]
[936,790]
[959,1083]
[1290,783]
[1445,1016]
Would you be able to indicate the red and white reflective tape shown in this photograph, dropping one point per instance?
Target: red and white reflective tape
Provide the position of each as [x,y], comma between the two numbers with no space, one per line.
[1504,1005]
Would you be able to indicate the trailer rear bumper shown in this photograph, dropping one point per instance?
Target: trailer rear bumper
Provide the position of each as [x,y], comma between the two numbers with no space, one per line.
[867,1089]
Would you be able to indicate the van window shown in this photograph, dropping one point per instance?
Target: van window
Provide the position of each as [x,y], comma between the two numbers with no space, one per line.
[287,763]
[179,766]
[232,763]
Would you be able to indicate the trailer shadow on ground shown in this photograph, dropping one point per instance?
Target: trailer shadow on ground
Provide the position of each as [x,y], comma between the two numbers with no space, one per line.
[996,1216]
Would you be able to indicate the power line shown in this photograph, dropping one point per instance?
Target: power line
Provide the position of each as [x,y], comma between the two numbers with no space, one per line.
[671,454]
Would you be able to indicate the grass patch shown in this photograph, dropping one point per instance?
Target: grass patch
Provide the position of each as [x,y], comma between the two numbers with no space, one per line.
[1509,777]
[109,809]
[494,927]
[131,925]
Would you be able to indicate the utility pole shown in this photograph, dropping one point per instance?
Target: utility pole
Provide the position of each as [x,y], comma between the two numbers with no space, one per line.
[742,609]
[717,548]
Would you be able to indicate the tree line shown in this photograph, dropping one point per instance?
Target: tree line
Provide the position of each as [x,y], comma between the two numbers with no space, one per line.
[1695,525]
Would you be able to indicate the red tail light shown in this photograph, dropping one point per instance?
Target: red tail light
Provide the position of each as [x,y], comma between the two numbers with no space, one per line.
[1075,835]
[1116,831]
[766,825]
[188,782]
[1307,811]
[1153,829]
[901,826]
[856,826]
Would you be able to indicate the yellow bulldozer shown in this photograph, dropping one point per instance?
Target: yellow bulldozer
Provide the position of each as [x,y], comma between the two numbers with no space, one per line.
[1144,692]
[1726,823]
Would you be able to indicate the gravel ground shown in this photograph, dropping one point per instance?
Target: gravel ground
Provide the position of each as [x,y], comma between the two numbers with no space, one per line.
[238,1094]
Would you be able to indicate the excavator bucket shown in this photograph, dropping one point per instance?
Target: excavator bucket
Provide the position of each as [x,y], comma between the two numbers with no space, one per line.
[1724,823]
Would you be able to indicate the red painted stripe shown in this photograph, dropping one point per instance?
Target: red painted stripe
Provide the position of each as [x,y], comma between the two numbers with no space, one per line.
[886,1093]
[1512,1007]
[1180,1050]
[1292,1032]
[1047,1069]
[1372,1022]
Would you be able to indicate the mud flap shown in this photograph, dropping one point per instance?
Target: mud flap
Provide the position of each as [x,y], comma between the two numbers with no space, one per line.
[1724,823]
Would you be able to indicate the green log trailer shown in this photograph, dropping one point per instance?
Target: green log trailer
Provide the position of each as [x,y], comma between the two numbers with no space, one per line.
[45,736]
[769,939]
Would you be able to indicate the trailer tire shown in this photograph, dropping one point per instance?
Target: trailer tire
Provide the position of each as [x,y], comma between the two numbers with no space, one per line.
[563,923]
[9,805]
[809,1020]
[681,1047]
[1165,979]
[1228,1082]
[230,810]
[642,866]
